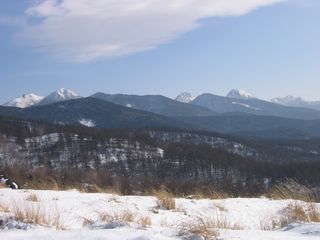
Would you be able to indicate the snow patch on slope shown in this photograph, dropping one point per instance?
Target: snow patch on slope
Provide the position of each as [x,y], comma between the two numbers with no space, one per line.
[247,106]
[87,122]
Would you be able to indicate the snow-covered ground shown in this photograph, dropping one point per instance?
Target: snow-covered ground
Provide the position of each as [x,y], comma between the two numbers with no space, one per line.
[105,216]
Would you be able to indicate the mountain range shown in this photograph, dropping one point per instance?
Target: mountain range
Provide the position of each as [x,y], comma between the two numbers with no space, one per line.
[156,104]
[31,99]
[255,106]
[238,113]
[94,113]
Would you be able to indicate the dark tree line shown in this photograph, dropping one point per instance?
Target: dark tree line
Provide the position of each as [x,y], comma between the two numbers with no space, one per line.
[133,162]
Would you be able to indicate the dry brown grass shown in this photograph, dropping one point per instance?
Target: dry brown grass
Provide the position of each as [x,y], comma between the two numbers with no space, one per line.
[4,208]
[94,188]
[56,222]
[204,228]
[98,189]
[164,222]
[125,217]
[224,223]
[220,207]
[209,193]
[165,199]
[48,184]
[36,214]
[106,218]
[269,224]
[144,221]
[314,213]
[32,198]
[86,221]
[297,211]
[291,190]
[32,214]
[207,228]
[294,212]
[301,212]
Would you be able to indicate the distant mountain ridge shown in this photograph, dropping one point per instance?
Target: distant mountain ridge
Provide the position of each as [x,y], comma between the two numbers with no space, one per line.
[156,104]
[292,101]
[92,112]
[255,106]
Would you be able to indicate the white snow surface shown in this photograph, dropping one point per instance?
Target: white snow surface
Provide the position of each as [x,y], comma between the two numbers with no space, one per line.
[26,100]
[239,94]
[75,208]
[184,97]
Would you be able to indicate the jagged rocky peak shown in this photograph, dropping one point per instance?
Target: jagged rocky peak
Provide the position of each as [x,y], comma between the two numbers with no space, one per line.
[61,94]
[26,100]
[239,94]
[184,97]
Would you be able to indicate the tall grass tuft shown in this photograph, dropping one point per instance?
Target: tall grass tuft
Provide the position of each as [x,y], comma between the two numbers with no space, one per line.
[165,199]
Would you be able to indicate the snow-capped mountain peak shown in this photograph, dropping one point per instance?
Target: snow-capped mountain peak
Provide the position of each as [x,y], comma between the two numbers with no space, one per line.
[239,94]
[61,94]
[26,100]
[184,97]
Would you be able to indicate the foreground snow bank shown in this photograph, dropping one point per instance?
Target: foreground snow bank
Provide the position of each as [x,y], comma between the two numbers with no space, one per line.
[106,216]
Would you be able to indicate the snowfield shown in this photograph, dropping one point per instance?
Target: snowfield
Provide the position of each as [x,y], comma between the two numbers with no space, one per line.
[75,215]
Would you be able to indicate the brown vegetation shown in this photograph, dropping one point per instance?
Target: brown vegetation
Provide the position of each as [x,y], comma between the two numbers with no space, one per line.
[295,212]
[144,221]
[291,190]
[32,198]
[200,227]
[165,199]
[124,218]
[36,214]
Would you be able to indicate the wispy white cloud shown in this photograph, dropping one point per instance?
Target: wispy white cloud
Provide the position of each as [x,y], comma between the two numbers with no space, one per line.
[85,30]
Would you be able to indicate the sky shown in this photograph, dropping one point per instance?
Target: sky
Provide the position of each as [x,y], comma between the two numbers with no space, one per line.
[269,48]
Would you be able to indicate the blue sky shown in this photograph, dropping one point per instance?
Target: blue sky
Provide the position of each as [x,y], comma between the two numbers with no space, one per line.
[267,47]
